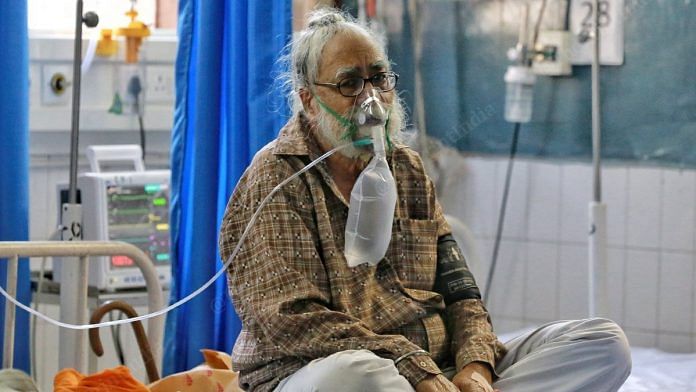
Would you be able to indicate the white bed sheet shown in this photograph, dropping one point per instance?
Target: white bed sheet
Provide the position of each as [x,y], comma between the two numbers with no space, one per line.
[653,370]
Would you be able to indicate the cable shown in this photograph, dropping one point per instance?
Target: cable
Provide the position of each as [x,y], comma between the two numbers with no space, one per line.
[537,26]
[116,338]
[135,87]
[142,132]
[414,11]
[207,284]
[503,206]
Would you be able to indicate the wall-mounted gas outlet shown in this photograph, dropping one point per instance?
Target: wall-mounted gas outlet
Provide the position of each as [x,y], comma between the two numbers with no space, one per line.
[56,85]
[552,53]
[160,84]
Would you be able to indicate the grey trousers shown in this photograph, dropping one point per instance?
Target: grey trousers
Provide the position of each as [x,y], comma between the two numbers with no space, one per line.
[581,355]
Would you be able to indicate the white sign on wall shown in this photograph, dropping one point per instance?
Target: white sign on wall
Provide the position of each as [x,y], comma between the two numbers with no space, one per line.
[611,45]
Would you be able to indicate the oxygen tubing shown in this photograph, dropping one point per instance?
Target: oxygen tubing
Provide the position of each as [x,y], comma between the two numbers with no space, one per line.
[254,217]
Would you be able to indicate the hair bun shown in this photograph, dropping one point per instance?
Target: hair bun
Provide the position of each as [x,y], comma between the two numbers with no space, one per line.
[324,17]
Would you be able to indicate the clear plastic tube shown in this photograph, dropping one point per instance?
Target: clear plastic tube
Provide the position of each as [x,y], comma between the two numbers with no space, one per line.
[89,55]
[212,280]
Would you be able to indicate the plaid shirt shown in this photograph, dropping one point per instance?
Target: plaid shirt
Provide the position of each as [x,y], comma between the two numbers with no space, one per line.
[298,299]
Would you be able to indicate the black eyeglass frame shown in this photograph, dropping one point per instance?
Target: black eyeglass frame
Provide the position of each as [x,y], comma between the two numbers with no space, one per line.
[364,81]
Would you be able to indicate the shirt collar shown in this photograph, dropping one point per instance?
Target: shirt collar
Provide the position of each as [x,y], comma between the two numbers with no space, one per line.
[294,138]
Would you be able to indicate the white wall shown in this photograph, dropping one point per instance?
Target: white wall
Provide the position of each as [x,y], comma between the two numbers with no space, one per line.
[50,148]
[541,273]
[50,122]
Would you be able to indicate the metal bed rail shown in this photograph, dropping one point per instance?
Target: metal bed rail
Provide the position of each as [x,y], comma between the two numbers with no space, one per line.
[76,340]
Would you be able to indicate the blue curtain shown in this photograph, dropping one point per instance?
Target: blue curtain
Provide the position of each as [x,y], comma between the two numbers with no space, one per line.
[227,108]
[14,153]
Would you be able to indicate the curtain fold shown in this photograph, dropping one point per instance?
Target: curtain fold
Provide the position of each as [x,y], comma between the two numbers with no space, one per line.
[14,168]
[226,109]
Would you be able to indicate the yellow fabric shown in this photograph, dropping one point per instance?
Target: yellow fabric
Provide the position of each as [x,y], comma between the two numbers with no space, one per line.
[217,359]
[215,375]
[118,379]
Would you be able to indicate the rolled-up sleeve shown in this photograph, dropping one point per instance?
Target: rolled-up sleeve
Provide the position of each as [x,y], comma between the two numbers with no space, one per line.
[472,334]
[468,321]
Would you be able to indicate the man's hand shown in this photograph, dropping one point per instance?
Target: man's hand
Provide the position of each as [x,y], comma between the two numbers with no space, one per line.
[474,377]
[437,383]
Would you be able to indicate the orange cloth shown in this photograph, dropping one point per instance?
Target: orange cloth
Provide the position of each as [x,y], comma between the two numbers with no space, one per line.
[215,375]
[118,379]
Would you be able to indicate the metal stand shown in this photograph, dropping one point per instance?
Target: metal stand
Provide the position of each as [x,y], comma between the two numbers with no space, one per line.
[72,344]
[598,301]
[8,349]
[73,308]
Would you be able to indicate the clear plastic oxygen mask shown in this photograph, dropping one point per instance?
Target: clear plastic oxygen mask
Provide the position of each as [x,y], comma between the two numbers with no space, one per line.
[373,198]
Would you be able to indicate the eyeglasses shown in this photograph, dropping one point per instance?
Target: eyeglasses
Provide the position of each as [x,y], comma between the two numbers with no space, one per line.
[353,86]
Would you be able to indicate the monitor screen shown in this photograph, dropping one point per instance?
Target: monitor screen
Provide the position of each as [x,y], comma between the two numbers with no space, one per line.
[139,215]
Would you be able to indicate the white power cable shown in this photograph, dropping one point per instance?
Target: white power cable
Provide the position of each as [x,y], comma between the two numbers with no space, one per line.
[200,289]
[89,54]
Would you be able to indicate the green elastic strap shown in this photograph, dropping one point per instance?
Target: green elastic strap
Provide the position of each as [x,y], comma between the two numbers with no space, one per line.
[351,128]
[386,134]
[362,142]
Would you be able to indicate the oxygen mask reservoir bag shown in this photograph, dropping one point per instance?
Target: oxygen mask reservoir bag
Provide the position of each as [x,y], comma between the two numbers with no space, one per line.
[373,198]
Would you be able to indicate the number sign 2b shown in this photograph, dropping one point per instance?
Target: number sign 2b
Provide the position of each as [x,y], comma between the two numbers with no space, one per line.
[611,45]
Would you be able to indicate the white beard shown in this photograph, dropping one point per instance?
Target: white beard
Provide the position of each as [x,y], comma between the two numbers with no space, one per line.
[331,132]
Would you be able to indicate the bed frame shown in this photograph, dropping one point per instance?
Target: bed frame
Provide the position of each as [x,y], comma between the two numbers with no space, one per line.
[73,343]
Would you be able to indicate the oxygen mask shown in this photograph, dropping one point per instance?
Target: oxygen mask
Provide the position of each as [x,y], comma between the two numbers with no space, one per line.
[366,119]
[373,198]
[373,111]
[370,119]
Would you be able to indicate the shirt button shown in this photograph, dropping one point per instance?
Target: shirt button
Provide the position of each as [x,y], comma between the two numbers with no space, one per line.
[422,364]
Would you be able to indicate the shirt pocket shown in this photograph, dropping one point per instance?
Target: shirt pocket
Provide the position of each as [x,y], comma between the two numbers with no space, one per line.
[414,252]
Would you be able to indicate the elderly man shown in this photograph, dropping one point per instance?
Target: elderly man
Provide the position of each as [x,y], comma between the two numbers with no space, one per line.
[415,320]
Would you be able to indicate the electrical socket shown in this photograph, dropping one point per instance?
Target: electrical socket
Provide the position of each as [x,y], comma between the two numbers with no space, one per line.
[60,76]
[127,72]
[160,84]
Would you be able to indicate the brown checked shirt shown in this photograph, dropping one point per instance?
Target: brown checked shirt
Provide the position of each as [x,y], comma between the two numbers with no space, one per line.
[298,299]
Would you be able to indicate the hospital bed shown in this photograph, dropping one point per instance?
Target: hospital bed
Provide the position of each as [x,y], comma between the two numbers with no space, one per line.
[653,370]
[656,370]
[82,250]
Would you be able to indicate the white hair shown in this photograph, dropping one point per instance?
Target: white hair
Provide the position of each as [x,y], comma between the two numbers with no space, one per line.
[302,57]
[303,54]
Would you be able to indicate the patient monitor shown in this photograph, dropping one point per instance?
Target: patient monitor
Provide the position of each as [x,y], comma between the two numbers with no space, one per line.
[126,203]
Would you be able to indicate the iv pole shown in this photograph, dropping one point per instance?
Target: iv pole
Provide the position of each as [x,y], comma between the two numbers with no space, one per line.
[598,306]
[73,292]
